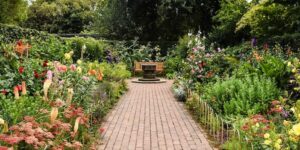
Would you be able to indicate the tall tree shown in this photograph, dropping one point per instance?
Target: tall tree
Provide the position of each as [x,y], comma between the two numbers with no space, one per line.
[156,20]
[224,31]
[13,11]
[61,16]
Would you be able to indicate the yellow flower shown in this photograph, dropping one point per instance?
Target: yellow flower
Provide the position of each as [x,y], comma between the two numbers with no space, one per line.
[296,129]
[289,64]
[267,142]
[294,70]
[257,125]
[67,56]
[279,141]
[267,135]
[291,132]
[71,52]
[277,146]
[2,121]
[79,62]
[293,109]
[79,70]
[286,123]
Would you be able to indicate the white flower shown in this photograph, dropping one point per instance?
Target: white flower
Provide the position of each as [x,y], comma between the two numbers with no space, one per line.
[2,121]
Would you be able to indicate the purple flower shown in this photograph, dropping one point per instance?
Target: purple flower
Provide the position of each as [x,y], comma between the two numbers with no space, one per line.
[253,42]
[285,113]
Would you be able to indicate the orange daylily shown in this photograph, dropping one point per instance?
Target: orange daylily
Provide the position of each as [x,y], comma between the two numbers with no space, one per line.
[92,72]
[100,76]
[21,48]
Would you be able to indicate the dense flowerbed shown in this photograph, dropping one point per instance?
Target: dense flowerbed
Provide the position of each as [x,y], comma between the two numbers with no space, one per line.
[253,87]
[50,101]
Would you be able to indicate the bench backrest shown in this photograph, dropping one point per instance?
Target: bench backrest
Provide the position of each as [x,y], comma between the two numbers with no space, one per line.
[138,66]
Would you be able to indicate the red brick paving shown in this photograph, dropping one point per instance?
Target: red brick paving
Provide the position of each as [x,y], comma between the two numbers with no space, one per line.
[149,118]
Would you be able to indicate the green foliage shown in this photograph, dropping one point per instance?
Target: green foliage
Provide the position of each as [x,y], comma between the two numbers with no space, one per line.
[13,111]
[271,18]
[10,34]
[94,49]
[182,47]
[61,16]
[114,72]
[274,67]
[113,19]
[173,64]
[157,20]
[244,96]
[227,16]
[13,11]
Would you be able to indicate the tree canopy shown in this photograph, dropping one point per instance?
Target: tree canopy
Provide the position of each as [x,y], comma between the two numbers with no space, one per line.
[13,11]
[61,16]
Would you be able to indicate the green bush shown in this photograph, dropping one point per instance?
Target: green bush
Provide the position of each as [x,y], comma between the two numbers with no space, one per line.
[43,45]
[241,96]
[13,33]
[173,64]
[276,68]
[94,48]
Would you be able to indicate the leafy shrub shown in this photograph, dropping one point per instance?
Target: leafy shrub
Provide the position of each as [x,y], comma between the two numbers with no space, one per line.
[13,33]
[274,67]
[14,111]
[241,96]
[94,48]
[173,64]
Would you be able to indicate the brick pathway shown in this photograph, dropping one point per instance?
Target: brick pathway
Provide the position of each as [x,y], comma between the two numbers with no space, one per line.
[148,117]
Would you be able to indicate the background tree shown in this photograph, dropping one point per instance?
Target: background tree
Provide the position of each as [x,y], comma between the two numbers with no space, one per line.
[61,16]
[13,11]
[224,32]
[113,20]
[155,20]
[273,19]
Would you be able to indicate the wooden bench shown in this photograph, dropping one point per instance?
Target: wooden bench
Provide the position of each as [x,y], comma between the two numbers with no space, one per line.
[138,66]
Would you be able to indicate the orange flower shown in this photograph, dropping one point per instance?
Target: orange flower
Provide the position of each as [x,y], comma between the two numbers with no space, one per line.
[21,48]
[16,92]
[24,88]
[62,68]
[92,72]
[100,76]
[209,74]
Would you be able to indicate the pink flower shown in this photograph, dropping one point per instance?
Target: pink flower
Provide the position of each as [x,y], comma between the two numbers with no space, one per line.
[85,78]
[31,140]
[73,67]
[49,74]
[62,68]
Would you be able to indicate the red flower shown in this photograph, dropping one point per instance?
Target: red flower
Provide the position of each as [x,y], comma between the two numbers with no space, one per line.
[19,87]
[245,127]
[36,75]
[45,64]
[21,70]
[4,92]
[202,64]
